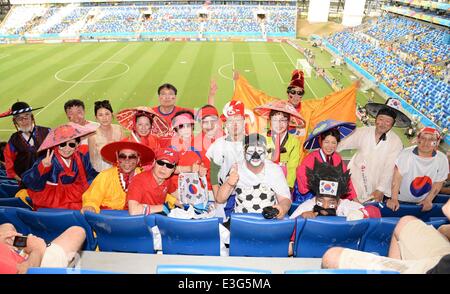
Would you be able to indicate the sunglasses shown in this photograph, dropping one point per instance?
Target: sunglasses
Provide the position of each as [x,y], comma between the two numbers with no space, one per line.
[293,92]
[122,156]
[163,163]
[71,145]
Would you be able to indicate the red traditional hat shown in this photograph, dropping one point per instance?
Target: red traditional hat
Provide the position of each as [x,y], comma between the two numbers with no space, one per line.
[65,133]
[110,150]
[168,154]
[127,118]
[283,106]
[297,79]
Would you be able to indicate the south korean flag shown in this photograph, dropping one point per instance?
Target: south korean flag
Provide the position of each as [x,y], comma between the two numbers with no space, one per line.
[328,188]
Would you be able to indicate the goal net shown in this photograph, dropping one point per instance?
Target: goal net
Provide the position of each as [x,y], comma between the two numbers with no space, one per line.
[304,65]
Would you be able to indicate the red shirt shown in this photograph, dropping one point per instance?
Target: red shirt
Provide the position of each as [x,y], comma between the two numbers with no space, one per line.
[145,190]
[169,116]
[9,259]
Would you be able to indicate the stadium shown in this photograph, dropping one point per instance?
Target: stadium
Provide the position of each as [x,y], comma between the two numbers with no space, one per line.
[357,53]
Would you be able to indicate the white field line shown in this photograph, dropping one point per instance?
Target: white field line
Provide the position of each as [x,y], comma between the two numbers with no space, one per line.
[293,63]
[80,81]
[278,72]
[223,75]
[232,69]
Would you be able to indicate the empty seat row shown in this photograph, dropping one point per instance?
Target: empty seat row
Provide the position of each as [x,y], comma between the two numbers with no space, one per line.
[251,234]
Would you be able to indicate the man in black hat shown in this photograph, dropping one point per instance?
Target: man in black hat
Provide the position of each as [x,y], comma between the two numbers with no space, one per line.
[377,148]
[21,151]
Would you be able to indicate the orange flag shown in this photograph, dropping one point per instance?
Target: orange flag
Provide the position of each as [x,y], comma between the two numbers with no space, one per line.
[340,105]
[250,96]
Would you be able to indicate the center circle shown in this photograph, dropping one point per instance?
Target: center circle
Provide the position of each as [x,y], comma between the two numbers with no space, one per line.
[100,66]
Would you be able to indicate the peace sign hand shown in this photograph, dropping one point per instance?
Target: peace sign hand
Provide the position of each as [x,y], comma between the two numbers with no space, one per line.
[47,161]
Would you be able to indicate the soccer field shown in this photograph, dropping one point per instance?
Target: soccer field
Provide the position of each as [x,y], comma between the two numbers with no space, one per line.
[128,74]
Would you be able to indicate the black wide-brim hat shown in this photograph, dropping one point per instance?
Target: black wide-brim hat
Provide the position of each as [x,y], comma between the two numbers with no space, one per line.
[18,108]
[401,120]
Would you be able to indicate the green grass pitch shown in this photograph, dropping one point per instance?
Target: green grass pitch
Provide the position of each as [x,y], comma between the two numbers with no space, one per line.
[128,74]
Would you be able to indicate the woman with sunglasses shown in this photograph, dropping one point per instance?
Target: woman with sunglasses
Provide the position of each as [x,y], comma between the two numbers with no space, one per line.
[148,191]
[183,143]
[106,133]
[109,188]
[59,179]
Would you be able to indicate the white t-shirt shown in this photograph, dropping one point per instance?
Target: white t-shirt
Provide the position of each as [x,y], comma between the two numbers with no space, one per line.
[256,191]
[343,209]
[225,153]
[419,174]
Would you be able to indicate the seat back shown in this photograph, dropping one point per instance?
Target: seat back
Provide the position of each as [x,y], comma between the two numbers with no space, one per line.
[323,232]
[205,269]
[49,225]
[65,271]
[14,202]
[195,237]
[340,272]
[414,210]
[9,215]
[8,189]
[260,237]
[404,209]
[441,198]
[377,238]
[121,233]
[436,222]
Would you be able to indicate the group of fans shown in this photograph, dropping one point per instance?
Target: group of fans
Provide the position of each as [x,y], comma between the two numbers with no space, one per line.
[90,166]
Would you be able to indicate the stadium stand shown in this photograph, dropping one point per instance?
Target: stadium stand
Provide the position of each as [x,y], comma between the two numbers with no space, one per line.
[408,57]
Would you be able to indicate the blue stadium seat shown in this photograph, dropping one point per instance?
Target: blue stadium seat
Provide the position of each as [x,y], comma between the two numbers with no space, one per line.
[444,219]
[260,237]
[49,225]
[436,211]
[8,189]
[114,212]
[318,234]
[340,272]
[122,233]
[206,269]
[66,271]
[9,215]
[410,209]
[377,238]
[436,222]
[14,202]
[195,237]
[441,198]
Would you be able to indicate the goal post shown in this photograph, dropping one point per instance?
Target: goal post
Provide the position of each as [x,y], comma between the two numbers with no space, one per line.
[303,64]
